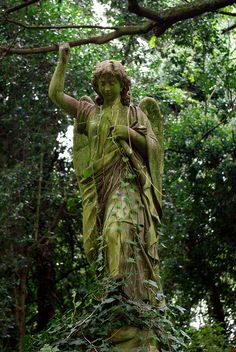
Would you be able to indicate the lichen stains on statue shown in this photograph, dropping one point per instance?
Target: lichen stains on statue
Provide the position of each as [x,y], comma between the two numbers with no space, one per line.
[118,161]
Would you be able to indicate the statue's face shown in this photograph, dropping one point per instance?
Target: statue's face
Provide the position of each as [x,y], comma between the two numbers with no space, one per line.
[109,87]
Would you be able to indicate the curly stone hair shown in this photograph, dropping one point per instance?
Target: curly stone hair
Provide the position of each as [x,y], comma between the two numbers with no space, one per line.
[116,69]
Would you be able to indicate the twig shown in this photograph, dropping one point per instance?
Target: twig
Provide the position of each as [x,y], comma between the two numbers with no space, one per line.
[8,48]
[89,342]
[227,13]
[229,28]
[102,39]
[54,223]
[82,322]
[207,133]
[37,215]
[67,273]
[26,26]
[114,334]
[179,151]
[20,6]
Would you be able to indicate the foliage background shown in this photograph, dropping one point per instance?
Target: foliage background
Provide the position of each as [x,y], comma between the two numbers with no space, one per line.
[190,70]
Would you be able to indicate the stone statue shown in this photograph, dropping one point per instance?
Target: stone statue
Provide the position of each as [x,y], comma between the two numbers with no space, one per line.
[118,161]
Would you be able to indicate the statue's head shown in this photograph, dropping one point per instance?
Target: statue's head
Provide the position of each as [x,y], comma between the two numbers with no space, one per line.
[115,69]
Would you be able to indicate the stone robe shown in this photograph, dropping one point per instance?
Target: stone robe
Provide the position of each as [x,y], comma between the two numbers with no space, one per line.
[121,196]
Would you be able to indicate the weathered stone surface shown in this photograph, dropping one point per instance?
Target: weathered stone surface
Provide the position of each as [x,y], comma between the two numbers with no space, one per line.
[118,161]
[133,339]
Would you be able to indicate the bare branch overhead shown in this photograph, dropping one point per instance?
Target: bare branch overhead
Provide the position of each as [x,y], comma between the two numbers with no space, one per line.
[179,13]
[227,13]
[160,21]
[102,39]
[18,7]
[230,28]
[134,7]
[71,26]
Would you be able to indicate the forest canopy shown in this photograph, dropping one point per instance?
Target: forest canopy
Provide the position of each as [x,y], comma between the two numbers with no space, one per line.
[182,53]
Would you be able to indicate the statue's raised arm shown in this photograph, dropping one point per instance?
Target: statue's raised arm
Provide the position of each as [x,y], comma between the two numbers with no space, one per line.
[56,88]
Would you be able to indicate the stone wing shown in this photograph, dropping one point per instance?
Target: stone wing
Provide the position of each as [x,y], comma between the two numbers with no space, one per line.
[151,109]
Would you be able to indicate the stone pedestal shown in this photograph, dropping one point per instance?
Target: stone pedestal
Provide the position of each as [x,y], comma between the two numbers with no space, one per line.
[132,339]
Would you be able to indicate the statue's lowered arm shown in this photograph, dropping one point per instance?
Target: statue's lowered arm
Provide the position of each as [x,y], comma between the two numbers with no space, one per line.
[56,87]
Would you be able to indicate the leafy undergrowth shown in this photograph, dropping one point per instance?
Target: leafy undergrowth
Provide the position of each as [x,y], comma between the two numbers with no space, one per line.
[90,325]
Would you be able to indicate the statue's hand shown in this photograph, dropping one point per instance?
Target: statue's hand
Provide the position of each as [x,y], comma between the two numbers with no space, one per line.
[120,132]
[64,52]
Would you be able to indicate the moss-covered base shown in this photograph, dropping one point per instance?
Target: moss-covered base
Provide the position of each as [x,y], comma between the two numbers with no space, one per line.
[132,339]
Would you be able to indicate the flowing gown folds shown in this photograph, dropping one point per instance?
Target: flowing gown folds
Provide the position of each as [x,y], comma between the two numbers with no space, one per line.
[121,195]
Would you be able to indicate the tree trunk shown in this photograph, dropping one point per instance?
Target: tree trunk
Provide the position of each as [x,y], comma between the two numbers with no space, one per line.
[45,276]
[20,296]
[216,307]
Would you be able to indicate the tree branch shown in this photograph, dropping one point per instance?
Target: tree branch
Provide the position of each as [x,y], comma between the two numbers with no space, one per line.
[178,13]
[227,13]
[229,28]
[207,133]
[12,43]
[194,9]
[160,21]
[26,26]
[102,39]
[18,7]
[134,7]
[39,198]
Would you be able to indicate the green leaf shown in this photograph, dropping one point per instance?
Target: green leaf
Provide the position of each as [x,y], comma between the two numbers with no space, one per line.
[152,41]
[108,300]
[77,342]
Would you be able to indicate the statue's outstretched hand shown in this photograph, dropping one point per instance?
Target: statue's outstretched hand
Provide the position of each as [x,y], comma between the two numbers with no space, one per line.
[64,52]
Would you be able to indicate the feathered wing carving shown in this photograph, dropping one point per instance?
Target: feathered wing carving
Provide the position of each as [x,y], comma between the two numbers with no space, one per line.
[151,109]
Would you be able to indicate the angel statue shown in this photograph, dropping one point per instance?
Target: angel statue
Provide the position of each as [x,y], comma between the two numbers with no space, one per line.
[118,161]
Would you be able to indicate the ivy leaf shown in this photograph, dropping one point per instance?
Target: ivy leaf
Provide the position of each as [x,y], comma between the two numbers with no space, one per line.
[77,342]
[108,300]
[152,41]
[181,309]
